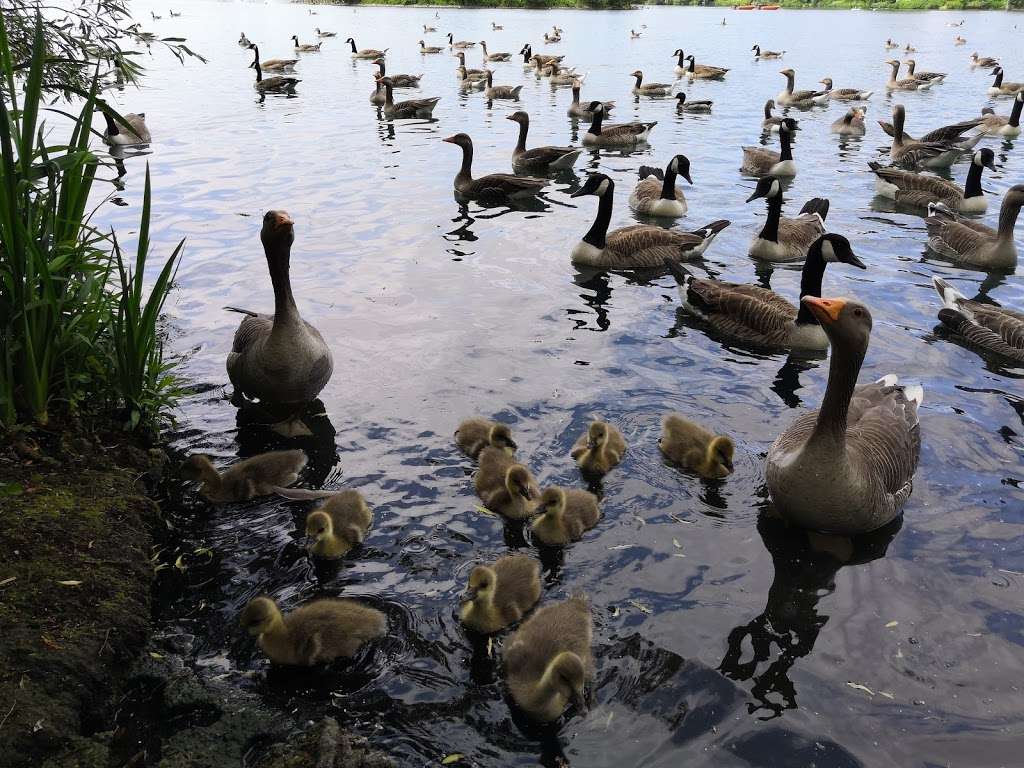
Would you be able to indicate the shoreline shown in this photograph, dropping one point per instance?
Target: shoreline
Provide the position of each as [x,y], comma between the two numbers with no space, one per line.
[956,6]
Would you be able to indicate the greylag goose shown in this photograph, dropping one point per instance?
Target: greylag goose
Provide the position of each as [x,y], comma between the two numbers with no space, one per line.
[999,125]
[891,44]
[844,94]
[500,593]
[847,468]
[618,135]
[657,193]
[782,239]
[760,54]
[424,48]
[365,53]
[850,124]
[320,33]
[704,71]
[400,80]
[126,130]
[505,486]
[905,84]
[501,56]
[473,435]
[970,244]
[539,159]
[273,65]
[599,450]
[937,77]
[494,186]
[919,154]
[700,106]
[1000,88]
[692,447]
[758,161]
[500,91]
[274,83]
[952,134]
[582,109]
[306,47]
[452,43]
[564,515]
[771,123]
[468,82]
[640,88]
[918,191]
[789,97]
[987,326]
[983,61]
[406,109]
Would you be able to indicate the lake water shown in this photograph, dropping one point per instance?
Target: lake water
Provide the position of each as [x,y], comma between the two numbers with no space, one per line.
[720,638]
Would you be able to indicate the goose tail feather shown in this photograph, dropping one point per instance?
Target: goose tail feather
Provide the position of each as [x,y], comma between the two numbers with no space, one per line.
[818,205]
[950,296]
[248,312]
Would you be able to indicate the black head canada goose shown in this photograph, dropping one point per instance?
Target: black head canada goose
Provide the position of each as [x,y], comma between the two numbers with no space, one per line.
[657,193]
[704,71]
[273,65]
[473,435]
[398,81]
[983,61]
[501,56]
[984,326]
[279,358]
[428,30]
[938,77]
[640,246]
[459,44]
[408,109]
[845,94]
[505,486]
[175,14]
[424,48]
[760,54]
[917,190]
[493,186]
[500,91]
[305,47]
[781,239]
[1001,88]
[848,467]
[259,475]
[599,450]
[999,125]
[649,89]
[758,161]
[959,40]
[761,317]
[539,159]
[700,106]
[906,83]
[617,135]
[564,515]
[274,83]
[317,632]
[548,661]
[337,525]
[243,41]
[474,74]
[470,82]
[365,53]
[320,33]
[499,594]
[850,124]
[789,97]
[692,447]
[125,130]
[772,123]
[582,108]
[496,27]
[908,48]
[890,44]
[970,244]
[908,153]
[634,34]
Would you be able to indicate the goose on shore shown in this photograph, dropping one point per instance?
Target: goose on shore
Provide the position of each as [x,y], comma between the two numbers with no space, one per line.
[1001,88]
[616,135]
[273,65]
[985,326]
[789,97]
[274,83]
[501,56]
[781,239]
[306,47]
[499,594]
[983,61]
[398,81]
[847,468]
[697,107]
[641,88]
[582,108]
[539,159]
[704,71]
[452,43]
[408,109]
[640,246]
[999,125]
[845,94]
[759,316]
[758,161]
[657,193]
[494,186]
[126,130]
[905,84]
[760,54]
[970,244]
[911,154]
[938,77]
[365,53]
[919,191]
[850,124]
[424,48]
[493,91]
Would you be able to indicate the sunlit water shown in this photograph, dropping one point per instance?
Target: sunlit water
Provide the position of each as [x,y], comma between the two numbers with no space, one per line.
[719,639]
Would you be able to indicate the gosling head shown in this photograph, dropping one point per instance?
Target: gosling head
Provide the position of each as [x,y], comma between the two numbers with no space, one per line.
[552,502]
[318,527]
[719,456]
[569,676]
[518,482]
[259,615]
[501,437]
[198,467]
[481,584]
[278,229]
[597,435]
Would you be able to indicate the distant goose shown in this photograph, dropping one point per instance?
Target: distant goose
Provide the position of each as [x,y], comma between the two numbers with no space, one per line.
[704,71]
[365,53]
[969,244]
[501,56]
[273,65]
[890,44]
[273,84]
[496,27]
[470,72]
[476,82]
[758,161]
[759,54]
[500,91]
[789,97]
[959,40]
[986,326]
[634,34]
[938,77]
[983,61]
[424,48]
[1000,88]
[155,17]
[127,130]
[494,186]
[850,124]
[648,89]
[618,135]
[582,109]
[411,108]
[398,81]
[844,94]
[906,83]
[460,43]
[771,123]
[636,247]
[909,49]
[539,159]
[244,42]
[786,240]
[175,14]
[682,65]
[998,125]
[919,154]
[319,33]
[919,190]
[428,30]
[701,106]
[305,47]
[657,193]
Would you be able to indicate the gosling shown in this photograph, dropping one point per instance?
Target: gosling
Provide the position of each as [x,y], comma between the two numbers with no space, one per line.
[338,525]
[320,631]
[694,448]
[600,449]
[501,593]
[473,435]
[564,515]
[504,486]
[256,476]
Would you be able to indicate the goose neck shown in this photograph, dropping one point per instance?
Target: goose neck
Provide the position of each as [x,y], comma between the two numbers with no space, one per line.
[810,283]
[787,146]
[466,169]
[972,187]
[595,122]
[524,128]
[767,110]
[1018,104]
[668,186]
[999,79]
[770,230]
[1008,218]
[350,42]
[830,431]
[598,232]
[790,82]
[681,63]
[278,263]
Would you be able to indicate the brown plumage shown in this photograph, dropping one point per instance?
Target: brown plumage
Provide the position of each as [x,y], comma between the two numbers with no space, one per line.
[539,159]
[338,525]
[256,476]
[692,447]
[500,91]
[500,593]
[563,515]
[505,486]
[986,326]
[971,244]
[618,135]
[473,435]
[493,186]
[599,449]
[400,80]
[919,191]
[406,109]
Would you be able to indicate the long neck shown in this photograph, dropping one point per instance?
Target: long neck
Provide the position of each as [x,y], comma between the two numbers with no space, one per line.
[259,72]
[895,70]
[999,79]
[466,171]
[256,54]
[490,79]
[639,80]
[790,82]
[770,230]
[350,42]
[668,186]
[767,110]
[388,95]
[842,379]
[682,60]
[524,128]
[1018,104]
[278,258]
[897,128]
[382,71]
[112,129]
[595,122]
[810,284]
[526,56]
[599,229]
[973,186]
[1008,219]
[911,65]
[693,64]
[575,94]
[787,148]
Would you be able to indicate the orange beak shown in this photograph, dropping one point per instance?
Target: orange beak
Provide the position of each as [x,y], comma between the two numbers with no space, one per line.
[826,310]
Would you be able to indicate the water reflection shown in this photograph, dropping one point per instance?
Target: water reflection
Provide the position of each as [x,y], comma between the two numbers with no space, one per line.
[786,383]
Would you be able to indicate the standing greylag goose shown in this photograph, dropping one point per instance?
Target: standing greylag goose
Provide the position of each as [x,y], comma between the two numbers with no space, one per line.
[582,109]
[925,77]
[844,94]
[983,61]
[273,65]
[789,97]
[919,191]
[847,468]
[781,239]
[760,54]
[618,135]
[459,44]
[697,71]
[502,56]
[494,186]
[539,159]
[280,358]
[424,48]
[700,106]
[905,84]
[398,81]
[657,194]
[970,244]
[758,316]
[365,53]
[126,130]
[1000,88]
[908,153]
[641,88]
[637,247]
[850,124]
[273,84]
[406,109]
[470,71]
[999,125]
[988,326]
[493,91]
[758,161]
[306,47]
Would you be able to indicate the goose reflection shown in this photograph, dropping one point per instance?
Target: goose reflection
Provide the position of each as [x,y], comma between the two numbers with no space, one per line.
[805,565]
[786,383]
[597,292]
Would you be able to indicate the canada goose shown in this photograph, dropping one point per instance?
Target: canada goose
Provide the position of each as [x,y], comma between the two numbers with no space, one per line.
[530,58]
[552,38]
[983,61]
[634,34]
[279,358]
[704,71]
[682,65]
[918,190]
[919,154]
[938,77]
[500,91]
[496,27]
[648,89]
[494,186]
[563,515]
[338,524]
[657,193]
[758,161]
[990,327]
[175,14]
[564,76]
[377,97]
[998,125]
[782,239]
[951,134]
[970,244]
[844,94]
[539,159]
[493,56]
[999,88]
[126,130]
[398,81]
[406,109]
[504,486]
[273,84]
[424,48]
[244,42]
[155,17]
[306,47]
[848,467]
[959,40]
[906,83]
[460,43]
[771,123]
[618,135]
[640,246]
[473,435]
[758,316]
[909,49]
[365,53]
[759,54]
[320,33]
[694,448]
[695,107]
[256,476]
[500,594]
[470,72]
[789,97]
[273,65]
[582,109]
[428,30]
[468,82]
[850,124]
[890,44]
[320,631]
[599,449]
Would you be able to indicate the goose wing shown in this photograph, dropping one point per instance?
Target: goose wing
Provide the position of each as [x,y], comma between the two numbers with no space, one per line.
[505,185]
[546,155]
[626,129]
[648,190]
[952,237]
[806,95]
[642,246]
[759,160]
[919,198]
[883,434]
[919,152]
[253,326]
[996,330]
[908,180]
[413,106]
[1007,323]
[952,132]
[747,312]
[802,230]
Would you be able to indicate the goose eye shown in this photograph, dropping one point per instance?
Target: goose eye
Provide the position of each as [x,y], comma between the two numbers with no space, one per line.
[322,530]
[857,313]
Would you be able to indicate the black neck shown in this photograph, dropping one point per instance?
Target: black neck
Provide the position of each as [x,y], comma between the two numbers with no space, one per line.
[770,230]
[999,79]
[599,229]
[810,283]
[595,123]
[112,128]
[381,65]
[575,94]
[350,42]
[524,128]
[693,64]
[787,148]
[973,186]
[388,94]
[639,80]
[259,71]
[767,110]
[1018,104]
[668,187]
[682,60]
[278,258]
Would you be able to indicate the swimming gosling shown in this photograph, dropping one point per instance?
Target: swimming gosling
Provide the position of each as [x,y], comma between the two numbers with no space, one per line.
[694,448]
[338,525]
[256,476]
[320,631]
[564,515]
[600,449]
[501,593]
[504,486]
[473,435]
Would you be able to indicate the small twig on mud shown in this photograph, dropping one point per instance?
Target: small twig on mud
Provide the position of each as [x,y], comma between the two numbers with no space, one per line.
[9,711]
[105,643]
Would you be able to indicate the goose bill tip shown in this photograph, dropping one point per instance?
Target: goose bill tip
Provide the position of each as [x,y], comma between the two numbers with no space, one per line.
[825,310]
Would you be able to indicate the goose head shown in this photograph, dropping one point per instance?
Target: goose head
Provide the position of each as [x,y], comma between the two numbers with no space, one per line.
[681,165]
[597,435]
[767,187]
[198,467]
[827,82]
[788,125]
[501,435]
[552,502]
[350,40]
[278,229]
[568,675]
[846,322]
[522,118]
[985,157]
[460,140]
[836,248]
[678,52]
[259,616]
[597,183]
[718,457]
[636,73]
[681,98]
[787,73]
[482,581]
[519,482]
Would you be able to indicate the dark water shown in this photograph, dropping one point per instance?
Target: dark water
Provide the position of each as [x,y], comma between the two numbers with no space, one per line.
[720,638]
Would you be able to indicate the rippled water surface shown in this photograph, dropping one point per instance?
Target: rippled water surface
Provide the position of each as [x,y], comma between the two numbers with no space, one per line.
[720,637]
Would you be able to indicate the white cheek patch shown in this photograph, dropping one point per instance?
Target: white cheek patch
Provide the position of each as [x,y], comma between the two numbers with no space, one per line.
[602,187]
[977,158]
[828,253]
[775,189]
[675,165]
